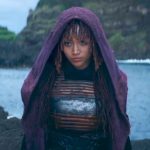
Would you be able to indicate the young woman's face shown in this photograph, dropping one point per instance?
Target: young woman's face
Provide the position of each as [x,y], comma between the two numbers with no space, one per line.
[78,51]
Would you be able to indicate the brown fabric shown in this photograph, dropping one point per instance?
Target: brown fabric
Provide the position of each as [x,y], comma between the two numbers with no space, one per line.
[79,96]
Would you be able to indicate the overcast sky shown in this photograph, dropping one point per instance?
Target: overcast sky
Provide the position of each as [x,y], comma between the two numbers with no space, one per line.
[13,13]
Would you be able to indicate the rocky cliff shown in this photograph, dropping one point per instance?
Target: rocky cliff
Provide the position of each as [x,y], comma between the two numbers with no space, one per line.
[126,24]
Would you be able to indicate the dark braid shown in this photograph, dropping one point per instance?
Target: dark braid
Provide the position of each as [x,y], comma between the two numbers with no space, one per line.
[101,80]
[43,91]
[104,94]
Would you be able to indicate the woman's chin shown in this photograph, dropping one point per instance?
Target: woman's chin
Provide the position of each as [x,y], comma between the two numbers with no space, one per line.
[79,66]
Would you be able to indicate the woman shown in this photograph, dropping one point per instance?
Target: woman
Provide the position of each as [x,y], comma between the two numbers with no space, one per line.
[75,95]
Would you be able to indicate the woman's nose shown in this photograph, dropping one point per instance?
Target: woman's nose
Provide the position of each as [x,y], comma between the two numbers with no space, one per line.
[76,49]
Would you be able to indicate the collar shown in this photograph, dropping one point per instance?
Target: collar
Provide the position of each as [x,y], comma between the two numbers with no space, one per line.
[72,73]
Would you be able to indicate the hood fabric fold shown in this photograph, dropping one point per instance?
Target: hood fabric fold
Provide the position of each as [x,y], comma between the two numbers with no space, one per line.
[34,134]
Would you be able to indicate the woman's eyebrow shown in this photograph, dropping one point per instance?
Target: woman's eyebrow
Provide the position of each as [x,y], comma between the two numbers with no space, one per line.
[65,37]
[84,38]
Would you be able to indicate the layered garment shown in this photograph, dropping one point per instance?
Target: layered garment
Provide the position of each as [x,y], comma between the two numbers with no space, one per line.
[112,81]
[73,121]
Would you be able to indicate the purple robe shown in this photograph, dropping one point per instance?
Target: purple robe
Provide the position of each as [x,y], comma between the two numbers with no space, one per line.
[33,132]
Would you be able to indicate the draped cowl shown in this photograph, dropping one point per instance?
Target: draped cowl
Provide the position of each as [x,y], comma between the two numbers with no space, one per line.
[34,134]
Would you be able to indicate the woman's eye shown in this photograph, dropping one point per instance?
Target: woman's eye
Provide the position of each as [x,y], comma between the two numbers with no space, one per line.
[67,43]
[83,42]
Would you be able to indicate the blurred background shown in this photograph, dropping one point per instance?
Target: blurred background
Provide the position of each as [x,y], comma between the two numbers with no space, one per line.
[25,24]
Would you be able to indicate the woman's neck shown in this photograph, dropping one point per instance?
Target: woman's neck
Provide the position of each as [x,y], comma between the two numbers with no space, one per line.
[72,73]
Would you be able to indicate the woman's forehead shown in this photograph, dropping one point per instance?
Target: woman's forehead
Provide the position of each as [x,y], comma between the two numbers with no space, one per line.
[75,36]
[77,29]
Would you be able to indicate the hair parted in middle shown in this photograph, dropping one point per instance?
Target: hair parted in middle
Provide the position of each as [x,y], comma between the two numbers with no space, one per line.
[81,30]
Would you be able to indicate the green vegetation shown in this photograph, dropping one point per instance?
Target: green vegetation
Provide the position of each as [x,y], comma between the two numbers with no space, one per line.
[116,40]
[126,25]
[5,34]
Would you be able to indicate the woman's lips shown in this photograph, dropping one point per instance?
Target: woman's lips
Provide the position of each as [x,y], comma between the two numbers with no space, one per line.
[76,59]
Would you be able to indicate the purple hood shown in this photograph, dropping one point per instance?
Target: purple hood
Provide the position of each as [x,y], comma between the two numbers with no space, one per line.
[119,120]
